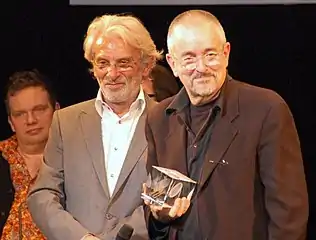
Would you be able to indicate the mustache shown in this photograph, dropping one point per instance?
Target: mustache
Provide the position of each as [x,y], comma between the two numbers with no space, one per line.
[203,75]
[108,80]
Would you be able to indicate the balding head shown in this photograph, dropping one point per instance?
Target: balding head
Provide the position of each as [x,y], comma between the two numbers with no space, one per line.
[198,54]
[190,20]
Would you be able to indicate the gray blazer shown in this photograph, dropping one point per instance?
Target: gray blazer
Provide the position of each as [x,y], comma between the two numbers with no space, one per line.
[70,197]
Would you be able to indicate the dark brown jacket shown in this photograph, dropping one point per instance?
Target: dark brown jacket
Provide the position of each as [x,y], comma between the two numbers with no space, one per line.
[261,193]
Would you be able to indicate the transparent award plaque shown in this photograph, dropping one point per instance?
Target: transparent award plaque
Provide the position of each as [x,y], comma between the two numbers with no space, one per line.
[165,185]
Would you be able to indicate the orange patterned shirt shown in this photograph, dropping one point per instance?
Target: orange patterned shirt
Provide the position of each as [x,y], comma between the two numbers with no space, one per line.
[19,225]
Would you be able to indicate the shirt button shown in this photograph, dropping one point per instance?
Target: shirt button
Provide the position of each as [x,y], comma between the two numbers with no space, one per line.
[112,175]
[194,145]
[115,149]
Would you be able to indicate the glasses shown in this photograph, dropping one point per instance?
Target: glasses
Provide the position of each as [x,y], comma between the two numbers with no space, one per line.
[122,65]
[210,60]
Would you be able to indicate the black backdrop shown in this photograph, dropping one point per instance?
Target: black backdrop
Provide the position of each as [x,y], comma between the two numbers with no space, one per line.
[272,46]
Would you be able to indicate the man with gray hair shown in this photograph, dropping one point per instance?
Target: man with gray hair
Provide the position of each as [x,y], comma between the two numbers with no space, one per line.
[238,141]
[89,185]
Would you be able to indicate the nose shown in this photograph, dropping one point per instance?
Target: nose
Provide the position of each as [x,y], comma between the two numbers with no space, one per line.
[200,65]
[31,118]
[112,72]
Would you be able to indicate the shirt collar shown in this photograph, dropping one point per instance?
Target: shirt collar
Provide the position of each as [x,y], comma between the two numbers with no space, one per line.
[102,106]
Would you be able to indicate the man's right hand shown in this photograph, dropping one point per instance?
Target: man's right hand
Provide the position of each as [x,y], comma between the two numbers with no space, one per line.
[168,213]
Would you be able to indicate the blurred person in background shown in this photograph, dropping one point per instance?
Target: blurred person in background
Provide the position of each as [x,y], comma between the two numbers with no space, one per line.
[161,83]
[30,104]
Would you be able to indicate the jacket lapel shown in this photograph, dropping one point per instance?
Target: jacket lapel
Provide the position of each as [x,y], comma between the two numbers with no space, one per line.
[223,134]
[136,149]
[176,141]
[91,128]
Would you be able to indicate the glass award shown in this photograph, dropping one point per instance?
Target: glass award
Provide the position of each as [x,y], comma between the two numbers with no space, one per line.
[164,186]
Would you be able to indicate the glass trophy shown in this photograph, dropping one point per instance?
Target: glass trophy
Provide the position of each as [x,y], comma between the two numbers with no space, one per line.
[164,186]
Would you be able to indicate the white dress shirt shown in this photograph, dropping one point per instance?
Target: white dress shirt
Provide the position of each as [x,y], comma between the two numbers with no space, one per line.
[117,133]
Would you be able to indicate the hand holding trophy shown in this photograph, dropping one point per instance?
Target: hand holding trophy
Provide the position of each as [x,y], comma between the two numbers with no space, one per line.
[168,193]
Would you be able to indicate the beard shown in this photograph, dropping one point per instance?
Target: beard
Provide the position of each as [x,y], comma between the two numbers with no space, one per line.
[121,89]
[204,85]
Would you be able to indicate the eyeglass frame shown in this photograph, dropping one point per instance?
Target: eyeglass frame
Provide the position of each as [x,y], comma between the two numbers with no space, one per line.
[131,64]
[194,63]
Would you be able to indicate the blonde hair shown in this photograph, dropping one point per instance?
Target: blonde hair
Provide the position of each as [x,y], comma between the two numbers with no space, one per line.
[189,17]
[129,28]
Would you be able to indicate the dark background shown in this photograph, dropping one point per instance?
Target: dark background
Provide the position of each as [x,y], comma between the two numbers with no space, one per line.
[272,46]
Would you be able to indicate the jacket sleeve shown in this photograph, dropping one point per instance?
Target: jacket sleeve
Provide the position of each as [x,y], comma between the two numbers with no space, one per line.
[46,200]
[282,174]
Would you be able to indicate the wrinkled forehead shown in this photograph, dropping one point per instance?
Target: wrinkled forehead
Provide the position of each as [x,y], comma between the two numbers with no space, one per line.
[113,48]
[196,38]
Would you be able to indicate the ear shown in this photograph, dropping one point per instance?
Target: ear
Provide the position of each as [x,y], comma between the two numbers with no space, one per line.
[57,106]
[147,68]
[226,52]
[172,64]
[92,72]
[11,124]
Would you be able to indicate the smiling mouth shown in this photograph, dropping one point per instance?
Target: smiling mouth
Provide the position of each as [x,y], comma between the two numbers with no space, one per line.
[114,85]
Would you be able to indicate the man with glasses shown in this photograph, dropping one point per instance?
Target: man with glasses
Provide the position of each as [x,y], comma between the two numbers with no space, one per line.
[89,185]
[238,141]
